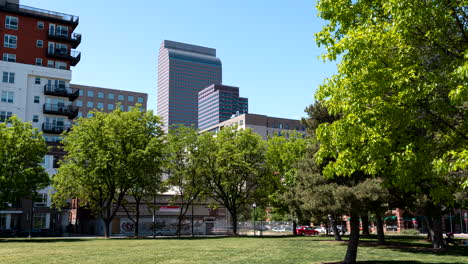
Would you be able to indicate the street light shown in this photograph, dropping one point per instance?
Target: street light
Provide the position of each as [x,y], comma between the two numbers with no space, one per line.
[254,206]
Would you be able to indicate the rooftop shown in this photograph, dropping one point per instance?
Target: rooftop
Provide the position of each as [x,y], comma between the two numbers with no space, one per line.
[168,44]
[37,12]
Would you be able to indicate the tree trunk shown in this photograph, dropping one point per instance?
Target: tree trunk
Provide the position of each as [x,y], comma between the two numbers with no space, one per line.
[234,222]
[137,217]
[351,252]
[294,228]
[434,227]
[336,233]
[107,227]
[365,224]
[380,230]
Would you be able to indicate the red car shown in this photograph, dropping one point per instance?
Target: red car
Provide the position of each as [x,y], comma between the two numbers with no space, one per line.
[306,231]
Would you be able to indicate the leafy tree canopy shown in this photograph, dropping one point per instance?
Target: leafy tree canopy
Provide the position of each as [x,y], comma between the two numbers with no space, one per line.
[22,149]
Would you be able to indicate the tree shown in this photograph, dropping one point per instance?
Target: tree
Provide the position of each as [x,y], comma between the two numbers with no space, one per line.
[184,165]
[235,173]
[394,88]
[107,155]
[282,156]
[21,152]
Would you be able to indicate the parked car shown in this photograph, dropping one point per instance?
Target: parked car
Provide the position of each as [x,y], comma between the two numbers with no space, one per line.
[306,231]
[320,229]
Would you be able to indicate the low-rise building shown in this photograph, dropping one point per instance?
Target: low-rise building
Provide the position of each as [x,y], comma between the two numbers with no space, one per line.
[266,126]
[106,100]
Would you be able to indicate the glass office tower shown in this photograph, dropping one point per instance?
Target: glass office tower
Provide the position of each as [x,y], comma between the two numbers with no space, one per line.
[217,103]
[183,71]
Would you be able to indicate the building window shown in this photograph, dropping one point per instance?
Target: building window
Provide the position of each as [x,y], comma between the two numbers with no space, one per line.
[110,96]
[36,99]
[110,106]
[90,104]
[61,65]
[100,105]
[38,61]
[80,114]
[39,43]
[81,92]
[55,163]
[89,114]
[37,80]
[5,115]
[41,200]
[140,99]
[129,108]
[79,102]
[130,98]
[122,107]
[39,221]
[11,22]
[280,126]
[7,97]
[121,97]
[50,63]
[10,41]
[100,95]
[35,118]
[90,93]
[40,24]
[9,57]
[8,77]
[62,31]
[241,122]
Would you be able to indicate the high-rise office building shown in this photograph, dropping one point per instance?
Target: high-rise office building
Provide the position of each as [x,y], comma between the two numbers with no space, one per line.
[37,53]
[184,70]
[217,103]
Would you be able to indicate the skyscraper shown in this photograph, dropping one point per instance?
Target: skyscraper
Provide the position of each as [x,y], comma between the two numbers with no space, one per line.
[217,103]
[184,70]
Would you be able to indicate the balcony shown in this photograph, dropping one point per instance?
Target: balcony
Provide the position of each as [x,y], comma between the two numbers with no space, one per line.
[61,109]
[39,13]
[73,56]
[63,91]
[74,38]
[54,128]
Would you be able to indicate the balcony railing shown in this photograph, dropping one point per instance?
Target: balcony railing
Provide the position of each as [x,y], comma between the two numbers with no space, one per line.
[73,56]
[54,128]
[64,91]
[37,12]
[74,38]
[61,109]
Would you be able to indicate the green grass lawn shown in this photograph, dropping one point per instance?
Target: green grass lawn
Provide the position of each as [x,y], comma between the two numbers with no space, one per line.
[220,250]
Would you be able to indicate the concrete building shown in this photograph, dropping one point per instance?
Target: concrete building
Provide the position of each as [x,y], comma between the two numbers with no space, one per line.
[184,70]
[263,125]
[37,53]
[217,103]
[106,100]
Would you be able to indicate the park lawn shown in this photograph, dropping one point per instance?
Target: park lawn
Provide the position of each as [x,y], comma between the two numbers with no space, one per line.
[219,250]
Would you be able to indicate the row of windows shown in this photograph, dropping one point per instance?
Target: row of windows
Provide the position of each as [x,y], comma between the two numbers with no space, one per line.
[50,63]
[110,96]
[8,77]
[12,22]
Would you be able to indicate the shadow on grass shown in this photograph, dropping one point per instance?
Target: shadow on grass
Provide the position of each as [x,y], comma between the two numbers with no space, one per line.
[418,248]
[41,240]
[399,262]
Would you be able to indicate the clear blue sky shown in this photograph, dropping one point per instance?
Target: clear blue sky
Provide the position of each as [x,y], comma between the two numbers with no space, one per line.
[267,47]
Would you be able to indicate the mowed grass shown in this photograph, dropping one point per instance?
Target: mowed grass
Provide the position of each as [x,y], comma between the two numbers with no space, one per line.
[220,250]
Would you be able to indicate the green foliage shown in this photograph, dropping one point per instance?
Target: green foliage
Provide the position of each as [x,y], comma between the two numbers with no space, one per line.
[21,150]
[235,171]
[107,155]
[185,164]
[396,87]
